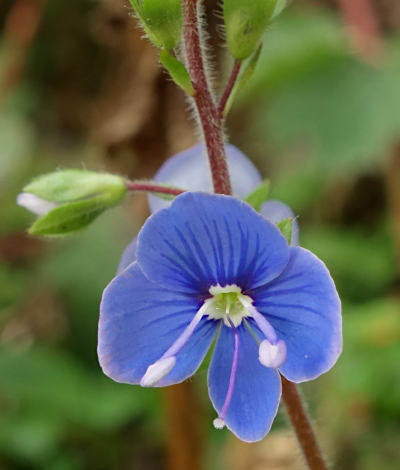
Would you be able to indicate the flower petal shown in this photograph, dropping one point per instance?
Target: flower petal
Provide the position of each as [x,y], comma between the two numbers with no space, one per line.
[190,170]
[206,239]
[257,391]
[276,211]
[304,308]
[128,256]
[139,321]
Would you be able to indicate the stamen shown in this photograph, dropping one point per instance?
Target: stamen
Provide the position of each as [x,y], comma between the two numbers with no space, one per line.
[272,351]
[262,322]
[159,369]
[272,355]
[219,422]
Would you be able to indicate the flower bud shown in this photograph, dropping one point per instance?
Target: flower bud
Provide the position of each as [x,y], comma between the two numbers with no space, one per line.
[161,20]
[69,200]
[245,23]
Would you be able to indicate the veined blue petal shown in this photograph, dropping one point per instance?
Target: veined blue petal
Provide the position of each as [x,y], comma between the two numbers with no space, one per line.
[304,308]
[272,210]
[140,320]
[276,211]
[190,170]
[206,239]
[128,256]
[257,389]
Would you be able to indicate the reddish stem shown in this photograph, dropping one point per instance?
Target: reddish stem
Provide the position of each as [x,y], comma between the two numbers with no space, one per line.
[229,87]
[211,122]
[363,28]
[302,426]
[153,188]
[21,25]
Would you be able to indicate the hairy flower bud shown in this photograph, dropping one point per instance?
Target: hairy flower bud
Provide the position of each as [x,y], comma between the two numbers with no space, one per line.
[69,200]
[161,20]
[245,23]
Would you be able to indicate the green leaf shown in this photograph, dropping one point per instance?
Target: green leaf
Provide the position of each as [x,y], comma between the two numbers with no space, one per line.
[245,23]
[178,72]
[299,43]
[257,197]
[346,115]
[350,254]
[285,226]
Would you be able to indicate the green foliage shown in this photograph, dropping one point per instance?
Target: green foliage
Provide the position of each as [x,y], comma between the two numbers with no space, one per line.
[363,265]
[178,71]
[245,23]
[161,20]
[12,284]
[300,42]
[346,116]
[16,141]
[315,96]
[257,197]
[47,393]
[370,361]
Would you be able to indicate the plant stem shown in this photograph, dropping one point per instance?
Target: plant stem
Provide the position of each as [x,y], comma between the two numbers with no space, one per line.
[183,418]
[153,188]
[210,119]
[229,87]
[362,26]
[302,426]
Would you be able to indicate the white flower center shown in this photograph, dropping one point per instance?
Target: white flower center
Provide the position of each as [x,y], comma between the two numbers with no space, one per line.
[228,304]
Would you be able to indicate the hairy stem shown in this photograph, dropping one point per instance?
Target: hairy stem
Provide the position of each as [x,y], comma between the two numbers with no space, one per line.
[153,188]
[302,426]
[207,109]
[229,87]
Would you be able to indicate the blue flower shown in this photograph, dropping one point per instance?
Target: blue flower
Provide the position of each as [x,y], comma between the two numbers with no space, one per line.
[209,268]
[189,170]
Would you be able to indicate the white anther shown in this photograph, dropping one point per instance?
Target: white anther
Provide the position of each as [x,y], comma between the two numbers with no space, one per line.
[219,423]
[35,204]
[272,355]
[157,371]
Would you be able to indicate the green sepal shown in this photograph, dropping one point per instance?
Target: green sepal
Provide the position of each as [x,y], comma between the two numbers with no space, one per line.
[70,185]
[245,23]
[244,77]
[280,6]
[178,72]
[167,197]
[69,218]
[161,21]
[257,197]
[285,226]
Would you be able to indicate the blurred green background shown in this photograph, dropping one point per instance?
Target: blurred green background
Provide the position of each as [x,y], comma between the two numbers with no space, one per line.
[320,118]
